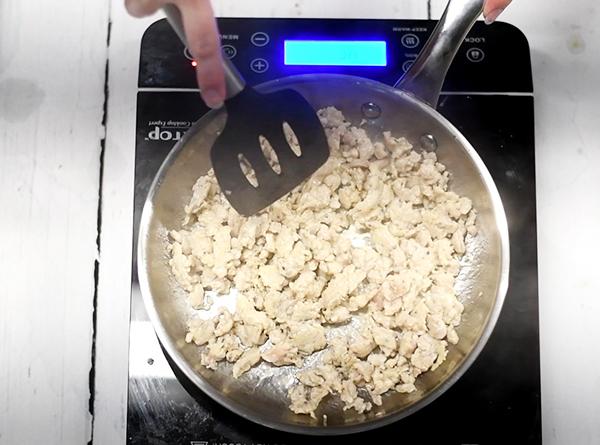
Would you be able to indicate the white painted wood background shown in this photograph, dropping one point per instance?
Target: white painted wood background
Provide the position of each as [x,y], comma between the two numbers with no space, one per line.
[52,59]
[52,71]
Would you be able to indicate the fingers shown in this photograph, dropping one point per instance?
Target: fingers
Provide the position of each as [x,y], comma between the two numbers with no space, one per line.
[141,8]
[493,8]
[204,44]
[203,40]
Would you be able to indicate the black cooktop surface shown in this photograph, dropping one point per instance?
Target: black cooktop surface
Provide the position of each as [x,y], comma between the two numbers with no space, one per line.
[488,97]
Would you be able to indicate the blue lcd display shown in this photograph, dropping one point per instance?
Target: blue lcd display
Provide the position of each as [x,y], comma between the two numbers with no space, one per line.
[335,52]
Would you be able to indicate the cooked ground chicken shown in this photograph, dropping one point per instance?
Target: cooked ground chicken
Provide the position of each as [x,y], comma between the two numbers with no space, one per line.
[374,237]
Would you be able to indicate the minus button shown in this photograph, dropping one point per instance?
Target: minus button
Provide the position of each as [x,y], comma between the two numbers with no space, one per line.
[260,39]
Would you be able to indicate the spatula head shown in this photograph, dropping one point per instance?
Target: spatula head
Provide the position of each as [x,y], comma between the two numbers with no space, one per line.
[252,117]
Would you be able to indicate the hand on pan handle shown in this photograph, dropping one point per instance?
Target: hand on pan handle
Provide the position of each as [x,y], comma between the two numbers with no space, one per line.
[203,37]
[493,8]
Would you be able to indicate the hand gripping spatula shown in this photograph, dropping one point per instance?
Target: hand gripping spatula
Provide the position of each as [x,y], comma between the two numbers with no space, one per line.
[248,179]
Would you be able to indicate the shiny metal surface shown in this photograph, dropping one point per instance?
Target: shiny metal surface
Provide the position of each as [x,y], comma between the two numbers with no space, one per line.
[426,75]
[260,395]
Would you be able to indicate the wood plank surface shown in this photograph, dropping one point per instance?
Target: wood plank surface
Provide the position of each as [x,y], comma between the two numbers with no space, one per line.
[52,71]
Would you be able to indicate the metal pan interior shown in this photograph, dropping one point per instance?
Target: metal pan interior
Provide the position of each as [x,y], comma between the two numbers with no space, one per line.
[261,394]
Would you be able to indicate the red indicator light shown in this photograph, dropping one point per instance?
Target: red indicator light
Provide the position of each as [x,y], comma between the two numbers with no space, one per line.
[194,63]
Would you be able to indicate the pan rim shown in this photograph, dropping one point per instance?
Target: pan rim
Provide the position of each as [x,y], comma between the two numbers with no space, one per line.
[169,344]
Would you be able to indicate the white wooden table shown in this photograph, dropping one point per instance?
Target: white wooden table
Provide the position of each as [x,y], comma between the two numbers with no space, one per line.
[66,191]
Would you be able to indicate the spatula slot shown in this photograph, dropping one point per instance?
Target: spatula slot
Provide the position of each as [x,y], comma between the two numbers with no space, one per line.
[248,170]
[270,144]
[292,139]
[269,154]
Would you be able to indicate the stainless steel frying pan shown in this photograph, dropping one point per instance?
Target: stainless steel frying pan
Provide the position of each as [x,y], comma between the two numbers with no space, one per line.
[261,394]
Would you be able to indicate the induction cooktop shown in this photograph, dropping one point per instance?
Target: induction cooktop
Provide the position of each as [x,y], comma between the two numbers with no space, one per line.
[488,96]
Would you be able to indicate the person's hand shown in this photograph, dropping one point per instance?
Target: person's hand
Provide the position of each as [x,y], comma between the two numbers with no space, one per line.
[203,42]
[493,8]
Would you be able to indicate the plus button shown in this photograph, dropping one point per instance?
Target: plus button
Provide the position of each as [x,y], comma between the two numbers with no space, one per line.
[259,65]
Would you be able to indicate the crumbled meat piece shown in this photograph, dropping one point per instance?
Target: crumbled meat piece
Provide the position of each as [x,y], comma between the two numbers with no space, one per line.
[200,331]
[218,349]
[307,337]
[246,361]
[196,297]
[224,323]
[282,354]
[305,400]
[270,276]
[364,344]
[250,335]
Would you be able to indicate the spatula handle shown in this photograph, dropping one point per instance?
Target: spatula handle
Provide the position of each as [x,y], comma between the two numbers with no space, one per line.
[234,82]
[425,77]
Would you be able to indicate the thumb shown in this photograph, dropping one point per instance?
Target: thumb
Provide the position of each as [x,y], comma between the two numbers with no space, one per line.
[493,8]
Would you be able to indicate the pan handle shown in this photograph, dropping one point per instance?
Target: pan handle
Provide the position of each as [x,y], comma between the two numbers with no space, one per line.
[425,77]
[234,82]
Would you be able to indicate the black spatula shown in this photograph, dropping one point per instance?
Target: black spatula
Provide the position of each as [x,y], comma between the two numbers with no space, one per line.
[250,176]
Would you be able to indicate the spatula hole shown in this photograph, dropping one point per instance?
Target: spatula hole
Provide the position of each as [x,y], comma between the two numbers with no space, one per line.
[292,139]
[248,170]
[269,154]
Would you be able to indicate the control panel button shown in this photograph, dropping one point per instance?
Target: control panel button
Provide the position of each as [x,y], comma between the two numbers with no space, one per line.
[229,51]
[406,65]
[259,65]
[410,41]
[260,38]
[475,54]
